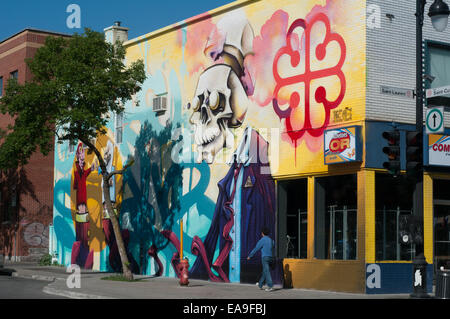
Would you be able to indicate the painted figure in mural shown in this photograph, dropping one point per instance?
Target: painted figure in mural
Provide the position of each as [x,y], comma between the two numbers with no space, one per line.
[80,249]
[219,103]
[246,195]
[246,200]
[246,204]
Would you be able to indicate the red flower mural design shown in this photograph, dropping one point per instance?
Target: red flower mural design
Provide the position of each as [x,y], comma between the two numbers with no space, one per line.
[307,77]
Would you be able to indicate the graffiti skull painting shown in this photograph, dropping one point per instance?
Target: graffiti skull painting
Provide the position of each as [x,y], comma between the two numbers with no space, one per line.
[220,101]
[216,109]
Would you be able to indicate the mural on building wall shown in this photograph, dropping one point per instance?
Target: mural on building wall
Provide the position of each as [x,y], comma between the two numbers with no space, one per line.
[151,194]
[219,104]
[249,94]
[93,227]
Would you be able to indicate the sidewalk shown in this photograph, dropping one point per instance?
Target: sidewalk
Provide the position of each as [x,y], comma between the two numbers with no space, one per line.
[148,287]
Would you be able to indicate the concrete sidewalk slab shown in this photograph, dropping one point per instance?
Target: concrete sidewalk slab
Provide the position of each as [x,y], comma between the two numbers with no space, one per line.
[169,288]
[148,287]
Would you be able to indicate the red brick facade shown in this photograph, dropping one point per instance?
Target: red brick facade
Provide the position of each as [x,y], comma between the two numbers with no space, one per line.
[25,216]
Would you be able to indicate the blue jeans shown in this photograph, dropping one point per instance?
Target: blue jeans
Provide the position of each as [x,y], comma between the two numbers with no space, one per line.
[265,276]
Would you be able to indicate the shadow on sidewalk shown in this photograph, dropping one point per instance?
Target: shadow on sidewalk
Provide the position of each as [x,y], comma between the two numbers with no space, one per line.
[6,271]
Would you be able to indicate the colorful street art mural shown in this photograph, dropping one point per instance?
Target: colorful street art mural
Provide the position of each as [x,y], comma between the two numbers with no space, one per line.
[250,91]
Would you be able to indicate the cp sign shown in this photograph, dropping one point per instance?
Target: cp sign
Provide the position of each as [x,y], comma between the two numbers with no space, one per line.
[340,144]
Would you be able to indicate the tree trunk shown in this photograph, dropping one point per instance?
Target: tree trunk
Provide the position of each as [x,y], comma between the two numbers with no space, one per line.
[115,223]
[118,234]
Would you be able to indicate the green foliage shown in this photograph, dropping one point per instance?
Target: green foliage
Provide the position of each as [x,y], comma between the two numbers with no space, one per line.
[78,83]
[46,260]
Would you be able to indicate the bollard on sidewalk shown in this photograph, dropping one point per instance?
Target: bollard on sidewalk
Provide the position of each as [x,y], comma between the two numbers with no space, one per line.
[442,284]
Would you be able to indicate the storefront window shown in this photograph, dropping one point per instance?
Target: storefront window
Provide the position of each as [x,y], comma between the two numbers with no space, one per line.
[293,218]
[441,200]
[393,201]
[336,217]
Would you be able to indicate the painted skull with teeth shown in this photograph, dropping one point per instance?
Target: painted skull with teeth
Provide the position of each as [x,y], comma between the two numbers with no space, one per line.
[221,100]
[219,103]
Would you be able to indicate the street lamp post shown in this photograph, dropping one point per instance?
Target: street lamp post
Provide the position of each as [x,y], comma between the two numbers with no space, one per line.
[438,12]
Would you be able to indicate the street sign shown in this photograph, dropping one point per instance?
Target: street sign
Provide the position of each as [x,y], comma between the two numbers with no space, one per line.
[443,90]
[434,121]
[390,90]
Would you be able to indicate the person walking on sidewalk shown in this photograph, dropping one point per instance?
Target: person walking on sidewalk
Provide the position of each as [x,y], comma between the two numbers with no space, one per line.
[265,244]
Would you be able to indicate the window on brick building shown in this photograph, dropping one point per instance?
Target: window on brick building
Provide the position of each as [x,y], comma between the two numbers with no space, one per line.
[1,85]
[9,209]
[13,197]
[2,209]
[15,74]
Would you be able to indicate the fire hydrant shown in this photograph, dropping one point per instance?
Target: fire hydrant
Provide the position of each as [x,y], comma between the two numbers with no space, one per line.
[184,272]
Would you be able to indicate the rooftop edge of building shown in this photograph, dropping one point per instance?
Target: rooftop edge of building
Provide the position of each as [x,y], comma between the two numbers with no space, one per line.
[36,31]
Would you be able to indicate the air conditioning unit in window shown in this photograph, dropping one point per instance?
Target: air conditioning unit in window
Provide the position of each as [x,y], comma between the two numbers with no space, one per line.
[160,104]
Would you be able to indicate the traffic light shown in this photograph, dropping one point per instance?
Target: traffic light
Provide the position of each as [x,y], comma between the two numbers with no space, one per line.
[392,151]
[414,153]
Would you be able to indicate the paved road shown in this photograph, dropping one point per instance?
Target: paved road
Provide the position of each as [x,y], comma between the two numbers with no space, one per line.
[21,288]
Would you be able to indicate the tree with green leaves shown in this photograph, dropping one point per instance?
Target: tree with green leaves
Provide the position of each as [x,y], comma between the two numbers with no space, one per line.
[78,84]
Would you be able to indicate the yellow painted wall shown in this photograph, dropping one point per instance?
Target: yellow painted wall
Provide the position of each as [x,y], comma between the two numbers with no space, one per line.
[428,217]
[368,194]
[345,276]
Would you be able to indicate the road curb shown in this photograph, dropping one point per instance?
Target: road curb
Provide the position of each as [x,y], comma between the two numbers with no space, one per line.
[72,294]
[34,277]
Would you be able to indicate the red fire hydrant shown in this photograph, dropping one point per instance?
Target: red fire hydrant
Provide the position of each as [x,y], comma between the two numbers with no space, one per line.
[184,272]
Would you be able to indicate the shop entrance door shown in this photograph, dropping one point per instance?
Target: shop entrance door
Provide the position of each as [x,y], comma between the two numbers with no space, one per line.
[342,232]
[441,223]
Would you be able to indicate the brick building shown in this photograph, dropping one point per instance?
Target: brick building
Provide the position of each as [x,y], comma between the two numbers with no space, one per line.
[26,194]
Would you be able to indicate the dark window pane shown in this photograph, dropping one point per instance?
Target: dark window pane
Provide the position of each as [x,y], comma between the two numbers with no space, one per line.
[336,217]
[393,201]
